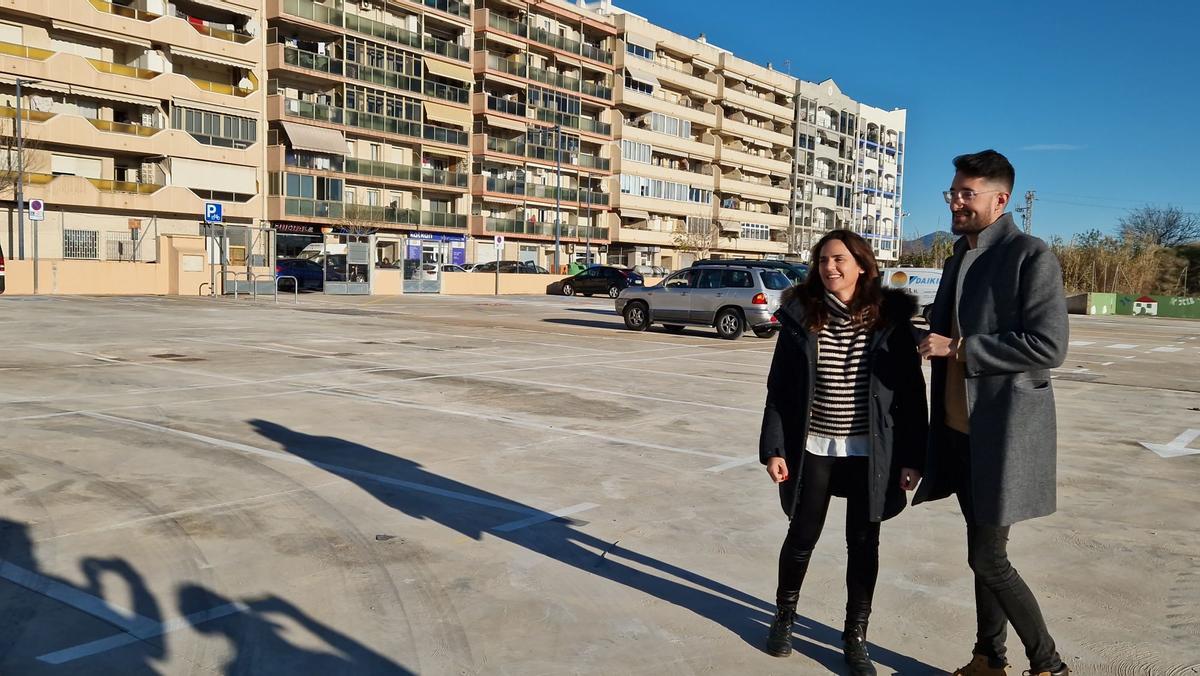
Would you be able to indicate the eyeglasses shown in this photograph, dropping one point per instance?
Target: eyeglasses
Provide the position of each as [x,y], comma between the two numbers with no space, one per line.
[964,195]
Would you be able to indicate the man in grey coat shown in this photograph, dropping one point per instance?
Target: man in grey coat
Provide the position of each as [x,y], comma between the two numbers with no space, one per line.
[999,324]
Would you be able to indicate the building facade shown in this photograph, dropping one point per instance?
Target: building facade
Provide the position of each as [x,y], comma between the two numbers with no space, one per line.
[133,117]
[573,131]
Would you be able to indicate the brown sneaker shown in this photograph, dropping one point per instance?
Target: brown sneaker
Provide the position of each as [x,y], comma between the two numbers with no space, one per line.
[979,666]
[1064,670]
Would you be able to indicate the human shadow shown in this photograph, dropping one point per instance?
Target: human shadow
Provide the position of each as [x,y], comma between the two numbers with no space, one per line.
[259,644]
[45,618]
[616,325]
[407,487]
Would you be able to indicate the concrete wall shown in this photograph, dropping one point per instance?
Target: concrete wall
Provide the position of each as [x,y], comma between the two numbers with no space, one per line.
[387,282]
[484,284]
[1092,304]
[86,277]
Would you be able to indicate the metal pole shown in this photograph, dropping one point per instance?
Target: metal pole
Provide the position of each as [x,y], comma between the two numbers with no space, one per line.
[557,193]
[588,222]
[20,183]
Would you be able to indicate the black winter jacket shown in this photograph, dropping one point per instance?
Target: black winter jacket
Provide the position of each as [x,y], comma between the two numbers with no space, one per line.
[899,415]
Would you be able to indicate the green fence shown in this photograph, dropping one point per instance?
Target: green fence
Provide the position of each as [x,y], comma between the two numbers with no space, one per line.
[1158,306]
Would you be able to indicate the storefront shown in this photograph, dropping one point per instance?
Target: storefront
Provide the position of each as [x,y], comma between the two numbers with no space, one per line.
[425,255]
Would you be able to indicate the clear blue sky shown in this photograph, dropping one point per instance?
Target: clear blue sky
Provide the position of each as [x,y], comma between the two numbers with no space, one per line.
[1096,103]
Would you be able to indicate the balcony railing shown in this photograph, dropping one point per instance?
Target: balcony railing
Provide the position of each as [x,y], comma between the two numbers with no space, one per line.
[511,187]
[299,206]
[556,41]
[325,64]
[446,48]
[506,66]
[574,121]
[26,114]
[507,25]
[595,126]
[447,92]
[511,147]
[382,31]
[505,106]
[444,135]
[404,172]
[597,53]
[218,33]
[542,36]
[376,122]
[127,12]
[124,71]
[519,147]
[520,227]
[554,79]
[597,89]
[123,128]
[106,185]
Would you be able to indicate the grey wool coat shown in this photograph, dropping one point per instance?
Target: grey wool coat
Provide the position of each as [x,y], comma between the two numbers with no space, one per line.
[1012,314]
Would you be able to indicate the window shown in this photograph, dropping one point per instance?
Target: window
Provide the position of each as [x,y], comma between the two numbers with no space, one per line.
[774,280]
[635,152]
[756,231]
[639,51]
[665,124]
[710,279]
[638,86]
[372,198]
[215,129]
[680,280]
[81,244]
[737,279]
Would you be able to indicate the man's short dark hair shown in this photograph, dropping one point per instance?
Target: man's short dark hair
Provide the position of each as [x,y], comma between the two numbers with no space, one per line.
[987,164]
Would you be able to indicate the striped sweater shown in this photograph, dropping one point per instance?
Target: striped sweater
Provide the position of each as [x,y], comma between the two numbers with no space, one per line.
[842,389]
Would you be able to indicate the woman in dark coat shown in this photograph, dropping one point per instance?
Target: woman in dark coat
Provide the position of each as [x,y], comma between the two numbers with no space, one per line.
[845,415]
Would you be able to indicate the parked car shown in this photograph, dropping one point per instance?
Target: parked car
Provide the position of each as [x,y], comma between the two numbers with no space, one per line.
[511,267]
[601,279]
[796,272]
[731,298]
[307,272]
[1,269]
[450,267]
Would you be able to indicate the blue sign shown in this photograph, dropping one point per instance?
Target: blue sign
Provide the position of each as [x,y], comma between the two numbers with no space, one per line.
[435,236]
[212,212]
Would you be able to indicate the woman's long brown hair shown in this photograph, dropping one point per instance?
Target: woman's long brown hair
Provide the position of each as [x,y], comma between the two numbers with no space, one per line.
[864,306]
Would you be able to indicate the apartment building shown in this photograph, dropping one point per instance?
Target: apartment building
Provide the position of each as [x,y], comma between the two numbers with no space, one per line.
[135,113]
[368,108]
[542,142]
[849,169]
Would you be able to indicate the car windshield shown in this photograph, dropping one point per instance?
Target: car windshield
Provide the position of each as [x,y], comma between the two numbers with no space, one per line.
[774,280]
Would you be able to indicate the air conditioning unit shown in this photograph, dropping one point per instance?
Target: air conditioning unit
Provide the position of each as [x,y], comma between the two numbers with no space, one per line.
[366,5]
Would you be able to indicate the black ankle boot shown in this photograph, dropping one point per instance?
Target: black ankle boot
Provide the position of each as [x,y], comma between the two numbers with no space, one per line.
[854,649]
[779,640]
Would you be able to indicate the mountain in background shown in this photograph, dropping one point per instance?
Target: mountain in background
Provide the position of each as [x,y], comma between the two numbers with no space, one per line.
[923,243]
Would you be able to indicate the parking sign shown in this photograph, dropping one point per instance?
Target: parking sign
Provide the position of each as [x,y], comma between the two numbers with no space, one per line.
[37,210]
[499,244]
[212,212]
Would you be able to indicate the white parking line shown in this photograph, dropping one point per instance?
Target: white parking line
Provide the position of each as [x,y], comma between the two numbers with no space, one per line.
[1122,346]
[1081,343]
[1167,349]
[732,463]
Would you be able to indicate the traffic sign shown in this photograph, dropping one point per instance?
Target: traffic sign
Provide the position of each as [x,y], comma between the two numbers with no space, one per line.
[212,212]
[37,210]
[499,243]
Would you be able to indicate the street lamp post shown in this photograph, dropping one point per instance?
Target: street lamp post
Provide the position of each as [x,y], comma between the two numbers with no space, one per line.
[20,188]
[587,224]
[557,192]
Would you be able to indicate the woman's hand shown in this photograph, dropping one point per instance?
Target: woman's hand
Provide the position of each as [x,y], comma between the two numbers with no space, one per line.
[909,478]
[777,468]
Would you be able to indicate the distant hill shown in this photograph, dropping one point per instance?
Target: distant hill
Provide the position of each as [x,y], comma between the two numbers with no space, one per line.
[923,243]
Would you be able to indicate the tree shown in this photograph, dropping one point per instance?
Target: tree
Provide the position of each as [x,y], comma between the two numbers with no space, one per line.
[933,257]
[31,160]
[1161,226]
[697,237]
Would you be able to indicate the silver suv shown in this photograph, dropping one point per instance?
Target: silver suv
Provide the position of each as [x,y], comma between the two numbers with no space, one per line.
[731,298]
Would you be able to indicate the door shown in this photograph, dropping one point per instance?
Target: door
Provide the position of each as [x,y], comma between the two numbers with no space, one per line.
[350,273]
[707,296]
[672,301]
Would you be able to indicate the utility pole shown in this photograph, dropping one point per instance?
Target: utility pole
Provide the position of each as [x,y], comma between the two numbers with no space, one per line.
[20,186]
[587,224]
[1027,211]
[557,192]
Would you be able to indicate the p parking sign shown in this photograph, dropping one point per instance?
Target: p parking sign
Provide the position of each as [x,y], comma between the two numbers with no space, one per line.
[212,212]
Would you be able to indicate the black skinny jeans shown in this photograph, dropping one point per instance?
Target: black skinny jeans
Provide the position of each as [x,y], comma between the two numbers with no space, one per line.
[818,478]
[1001,596]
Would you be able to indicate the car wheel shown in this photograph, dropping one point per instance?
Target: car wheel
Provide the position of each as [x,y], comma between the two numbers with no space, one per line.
[765,333]
[729,324]
[637,316]
[674,328]
[568,289]
[614,291]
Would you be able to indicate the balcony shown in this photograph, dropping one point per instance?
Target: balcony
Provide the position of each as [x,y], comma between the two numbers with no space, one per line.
[559,42]
[447,92]
[26,114]
[507,25]
[326,209]
[636,99]
[306,9]
[454,7]
[597,53]
[127,12]
[732,156]
[508,66]
[404,172]
[541,36]
[540,191]
[545,154]
[744,216]
[554,79]
[123,128]
[372,121]
[596,89]
[755,103]
[740,187]
[505,106]
[446,48]
[307,60]
[444,135]
[541,229]
[574,122]
[745,129]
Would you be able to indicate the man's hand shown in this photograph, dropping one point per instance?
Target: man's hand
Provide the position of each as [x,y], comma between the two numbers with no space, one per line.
[935,345]
[909,478]
[777,468]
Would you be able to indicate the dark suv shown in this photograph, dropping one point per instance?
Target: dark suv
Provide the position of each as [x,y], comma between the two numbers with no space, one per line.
[601,279]
[795,272]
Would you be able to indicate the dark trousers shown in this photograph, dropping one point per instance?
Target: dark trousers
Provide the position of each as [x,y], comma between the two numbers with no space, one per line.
[820,478]
[1001,596]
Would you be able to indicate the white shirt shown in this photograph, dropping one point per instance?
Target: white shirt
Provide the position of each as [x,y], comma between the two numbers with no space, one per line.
[858,445]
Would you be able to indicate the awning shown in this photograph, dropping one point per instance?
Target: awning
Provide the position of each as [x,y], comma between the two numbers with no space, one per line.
[212,107]
[448,114]
[641,75]
[314,139]
[635,214]
[91,93]
[641,40]
[505,123]
[730,226]
[449,70]
[102,34]
[213,176]
[210,57]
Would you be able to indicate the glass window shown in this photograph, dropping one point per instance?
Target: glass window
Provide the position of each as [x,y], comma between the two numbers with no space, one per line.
[737,279]
[679,280]
[774,280]
[710,279]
